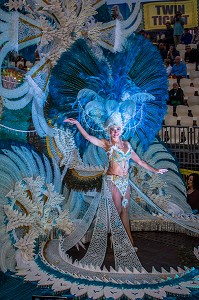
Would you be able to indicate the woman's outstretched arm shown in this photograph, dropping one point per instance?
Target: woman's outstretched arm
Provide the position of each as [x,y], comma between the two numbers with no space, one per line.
[143,164]
[90,138]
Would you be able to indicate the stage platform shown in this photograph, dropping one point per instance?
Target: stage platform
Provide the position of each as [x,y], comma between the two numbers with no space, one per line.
[158,249]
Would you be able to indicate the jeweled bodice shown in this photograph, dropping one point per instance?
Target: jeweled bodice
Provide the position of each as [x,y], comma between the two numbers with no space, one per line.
[117,155]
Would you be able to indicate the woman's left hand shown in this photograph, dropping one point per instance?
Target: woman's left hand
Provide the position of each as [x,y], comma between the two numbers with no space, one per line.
[161,171]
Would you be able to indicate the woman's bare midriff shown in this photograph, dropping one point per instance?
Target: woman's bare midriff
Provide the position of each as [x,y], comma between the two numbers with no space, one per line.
[114,169]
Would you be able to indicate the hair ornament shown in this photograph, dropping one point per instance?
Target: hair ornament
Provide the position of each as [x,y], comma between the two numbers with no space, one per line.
[115,120]
[127,89]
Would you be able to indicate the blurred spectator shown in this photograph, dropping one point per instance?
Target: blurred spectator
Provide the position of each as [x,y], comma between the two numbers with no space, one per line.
[176,95]
[163,51]
[153,39]
[144,33]
[188,55]
[178,27]
[21,67]
[179,69]
[115,13]
[172,53]
[191,56]
[195,39]
[168,66]
[193,192]
[168,40]
[186,38]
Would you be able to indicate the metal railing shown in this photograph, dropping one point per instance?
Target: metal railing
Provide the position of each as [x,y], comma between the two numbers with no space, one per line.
[183,141]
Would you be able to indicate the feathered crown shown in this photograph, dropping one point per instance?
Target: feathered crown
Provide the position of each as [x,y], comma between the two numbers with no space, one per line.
[98,114]
[94,87]
[113,121]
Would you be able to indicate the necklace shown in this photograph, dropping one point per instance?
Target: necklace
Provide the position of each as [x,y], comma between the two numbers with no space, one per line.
[119,145]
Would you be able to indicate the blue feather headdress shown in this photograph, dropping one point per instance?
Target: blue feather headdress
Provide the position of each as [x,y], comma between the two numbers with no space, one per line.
[92,87]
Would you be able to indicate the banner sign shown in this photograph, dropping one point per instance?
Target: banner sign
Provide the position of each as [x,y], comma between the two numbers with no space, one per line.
[156,14]
[185,173]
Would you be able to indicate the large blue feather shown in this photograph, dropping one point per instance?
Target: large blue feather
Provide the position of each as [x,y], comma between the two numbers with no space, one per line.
[135,78]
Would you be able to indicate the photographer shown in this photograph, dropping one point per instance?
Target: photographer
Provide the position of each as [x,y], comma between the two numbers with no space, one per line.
[178,27]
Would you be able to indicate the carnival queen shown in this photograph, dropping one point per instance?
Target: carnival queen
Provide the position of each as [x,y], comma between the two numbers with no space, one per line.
[119,154]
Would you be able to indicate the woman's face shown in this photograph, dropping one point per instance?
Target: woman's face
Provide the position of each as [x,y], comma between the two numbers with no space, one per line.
[190,182]
[115,132]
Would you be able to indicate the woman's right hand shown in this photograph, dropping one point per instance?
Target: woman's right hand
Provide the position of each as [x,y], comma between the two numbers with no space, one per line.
[71,121]
[88,137]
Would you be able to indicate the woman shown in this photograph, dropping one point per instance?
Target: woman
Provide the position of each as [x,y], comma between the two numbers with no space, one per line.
[193,192]
[119,153]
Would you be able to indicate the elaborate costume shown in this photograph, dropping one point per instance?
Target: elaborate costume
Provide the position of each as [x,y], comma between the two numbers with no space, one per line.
[122,184]
[93,85]
[118,156]
[111,90]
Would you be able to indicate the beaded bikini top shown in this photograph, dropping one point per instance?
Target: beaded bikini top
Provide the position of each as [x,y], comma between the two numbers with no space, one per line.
[117,155]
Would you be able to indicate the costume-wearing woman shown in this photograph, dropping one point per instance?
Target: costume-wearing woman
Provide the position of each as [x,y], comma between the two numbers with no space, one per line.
[119,153]
[106,92]
[193,192]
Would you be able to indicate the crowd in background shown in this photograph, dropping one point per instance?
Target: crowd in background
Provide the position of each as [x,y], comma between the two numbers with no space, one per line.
[175,63]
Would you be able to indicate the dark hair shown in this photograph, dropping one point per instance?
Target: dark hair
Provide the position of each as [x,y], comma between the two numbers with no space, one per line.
[172,45]
[195,181]
[167,61]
